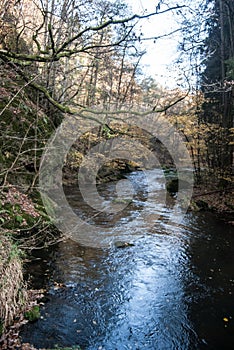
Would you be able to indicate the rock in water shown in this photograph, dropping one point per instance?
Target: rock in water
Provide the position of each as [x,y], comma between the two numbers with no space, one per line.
[122,244]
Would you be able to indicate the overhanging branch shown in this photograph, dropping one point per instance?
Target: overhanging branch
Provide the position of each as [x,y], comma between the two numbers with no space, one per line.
[63,51]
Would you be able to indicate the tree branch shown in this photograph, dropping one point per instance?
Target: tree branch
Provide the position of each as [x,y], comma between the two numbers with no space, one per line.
[62,51]
[114,22]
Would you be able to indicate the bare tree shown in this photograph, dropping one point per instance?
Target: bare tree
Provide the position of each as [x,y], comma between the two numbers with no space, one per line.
[64,34]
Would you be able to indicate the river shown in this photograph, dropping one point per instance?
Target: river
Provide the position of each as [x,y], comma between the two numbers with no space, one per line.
[172,289]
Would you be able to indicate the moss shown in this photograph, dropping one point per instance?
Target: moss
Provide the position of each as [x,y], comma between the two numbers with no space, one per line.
[169,172]
[14,218]
[15,253]
[33,314]
[23,128]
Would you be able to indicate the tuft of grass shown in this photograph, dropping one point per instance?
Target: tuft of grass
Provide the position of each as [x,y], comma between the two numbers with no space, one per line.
[13,295]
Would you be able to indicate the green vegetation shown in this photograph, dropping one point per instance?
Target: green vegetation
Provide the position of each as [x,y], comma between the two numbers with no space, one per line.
[13,293]
[33,314]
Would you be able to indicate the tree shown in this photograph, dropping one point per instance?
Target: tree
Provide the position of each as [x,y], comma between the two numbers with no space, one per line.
[59,52]
[217,82]
[207,58]
[64,34]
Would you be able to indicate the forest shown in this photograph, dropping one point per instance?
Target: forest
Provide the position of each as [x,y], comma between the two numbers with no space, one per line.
[77,110]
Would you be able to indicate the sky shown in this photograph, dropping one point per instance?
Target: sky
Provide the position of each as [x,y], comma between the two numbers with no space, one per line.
[158,62]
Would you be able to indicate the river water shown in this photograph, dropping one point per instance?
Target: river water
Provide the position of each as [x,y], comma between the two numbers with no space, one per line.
[173,289]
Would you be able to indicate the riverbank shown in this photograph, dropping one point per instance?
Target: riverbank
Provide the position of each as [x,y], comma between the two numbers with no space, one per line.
[216,200]
[13,290]
[24,226]
[18,303]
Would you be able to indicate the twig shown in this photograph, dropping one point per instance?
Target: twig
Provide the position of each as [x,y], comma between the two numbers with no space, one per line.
[212,192]
[17,93]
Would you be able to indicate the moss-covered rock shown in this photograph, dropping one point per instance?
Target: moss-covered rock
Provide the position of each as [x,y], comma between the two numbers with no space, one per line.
[172,186]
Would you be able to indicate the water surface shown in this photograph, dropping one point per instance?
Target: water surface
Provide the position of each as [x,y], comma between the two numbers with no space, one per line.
[172,290]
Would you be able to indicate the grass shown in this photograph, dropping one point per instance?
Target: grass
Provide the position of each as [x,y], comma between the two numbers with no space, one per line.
[13,293]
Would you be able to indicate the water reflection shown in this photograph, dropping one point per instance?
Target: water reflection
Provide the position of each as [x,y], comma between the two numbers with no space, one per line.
[171,290]
[118,299]
[212,261]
